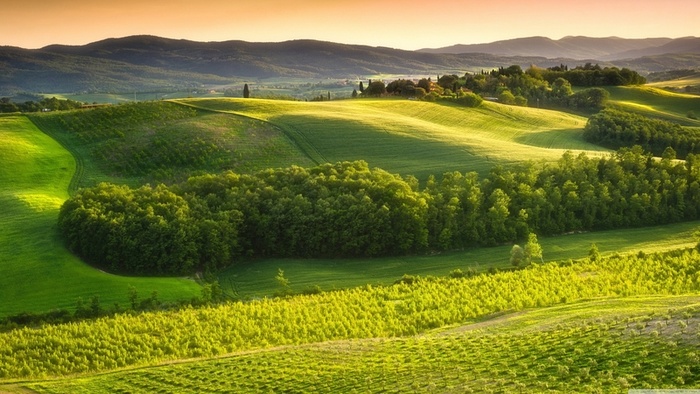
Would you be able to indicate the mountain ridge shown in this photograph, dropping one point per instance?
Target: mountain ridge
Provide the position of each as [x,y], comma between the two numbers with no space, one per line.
[145,62]
[578,47]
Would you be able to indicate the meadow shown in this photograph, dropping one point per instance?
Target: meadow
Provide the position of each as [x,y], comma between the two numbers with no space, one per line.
[38,273]
[413,137]
[257,278]
[657,103]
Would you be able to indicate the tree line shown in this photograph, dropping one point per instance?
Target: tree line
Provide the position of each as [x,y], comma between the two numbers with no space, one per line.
[512,85]
[349,210]
[46,104]
[614,129]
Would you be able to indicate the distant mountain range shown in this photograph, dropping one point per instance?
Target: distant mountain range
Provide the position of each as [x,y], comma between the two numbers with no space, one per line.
[580,48]
[142,63]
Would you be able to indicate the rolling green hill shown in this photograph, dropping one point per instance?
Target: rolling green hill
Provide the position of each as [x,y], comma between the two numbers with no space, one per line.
[136,143]
[414,137]
[655,102]
[678,81]
[37,272]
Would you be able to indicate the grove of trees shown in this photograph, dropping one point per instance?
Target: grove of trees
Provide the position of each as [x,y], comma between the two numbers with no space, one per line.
[46,104]
[347,209]
[614,129]
[550,87]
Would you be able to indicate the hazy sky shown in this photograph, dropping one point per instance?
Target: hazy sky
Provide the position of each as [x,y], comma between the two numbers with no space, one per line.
[410,24]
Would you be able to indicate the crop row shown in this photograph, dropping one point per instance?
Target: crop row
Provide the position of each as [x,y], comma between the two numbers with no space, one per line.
[367,312]
[611,354]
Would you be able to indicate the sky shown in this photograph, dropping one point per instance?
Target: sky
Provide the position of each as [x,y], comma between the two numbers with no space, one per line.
[403,24]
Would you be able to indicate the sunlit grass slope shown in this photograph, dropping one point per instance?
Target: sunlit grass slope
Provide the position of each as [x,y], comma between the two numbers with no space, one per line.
[655,102]
[414,137]
[257,279]
[157,142]
[36,272]
[678,83]
[609,345]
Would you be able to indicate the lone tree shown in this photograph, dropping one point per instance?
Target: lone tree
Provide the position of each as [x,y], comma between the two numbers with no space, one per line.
[594,253]
[362,87]
[246,91]
[533,248]
[283,282]
[517,256]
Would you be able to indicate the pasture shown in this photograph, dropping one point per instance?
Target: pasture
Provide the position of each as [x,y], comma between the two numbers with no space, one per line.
[691,80]
[257,278]
[37,272]
[157,142]
[413,137]
[655,102]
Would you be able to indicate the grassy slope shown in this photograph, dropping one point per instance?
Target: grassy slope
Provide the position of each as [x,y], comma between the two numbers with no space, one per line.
[159,142]
[607,345]
[413,137]
[37,272]
[655,102]
[690,80]
[257,279]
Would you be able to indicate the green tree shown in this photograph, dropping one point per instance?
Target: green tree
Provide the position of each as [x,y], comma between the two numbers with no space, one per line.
[133,297]
[95,307]
[593,253]
[283,282]
[561,89]
[506,97]
[533,249]
[517,255]
[375,89]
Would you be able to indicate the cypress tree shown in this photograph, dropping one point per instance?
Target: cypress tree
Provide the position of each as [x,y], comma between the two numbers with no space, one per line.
[246,91]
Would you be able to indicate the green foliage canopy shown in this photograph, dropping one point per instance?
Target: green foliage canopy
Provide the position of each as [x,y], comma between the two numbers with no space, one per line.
[347,209]
[614,128]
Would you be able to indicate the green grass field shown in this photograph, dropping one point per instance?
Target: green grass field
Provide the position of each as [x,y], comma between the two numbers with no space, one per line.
[257,278]
[37,272]
[692,80]
[157,142]
[655,102]
[413,137]
[608,345]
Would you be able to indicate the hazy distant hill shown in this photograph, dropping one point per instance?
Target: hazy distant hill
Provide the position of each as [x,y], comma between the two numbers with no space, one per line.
[140,63]
[609,48]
